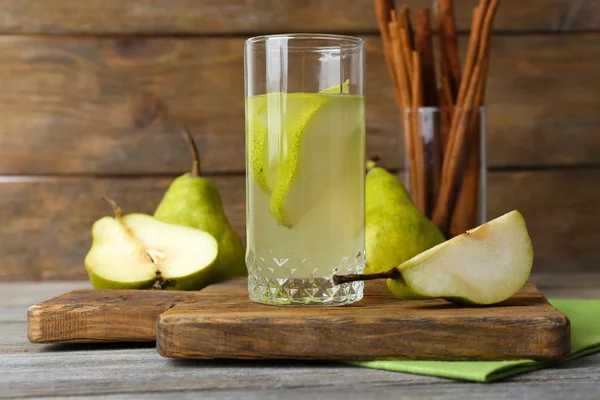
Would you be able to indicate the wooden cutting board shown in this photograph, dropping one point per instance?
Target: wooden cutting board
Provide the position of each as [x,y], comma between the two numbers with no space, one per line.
[95,316]
[225,324]
[221,322]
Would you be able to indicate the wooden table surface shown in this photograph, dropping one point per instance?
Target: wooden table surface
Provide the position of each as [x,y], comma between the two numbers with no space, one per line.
[128,371]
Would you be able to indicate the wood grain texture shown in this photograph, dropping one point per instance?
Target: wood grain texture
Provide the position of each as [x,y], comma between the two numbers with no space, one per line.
[266,16]
[100,373]
[18,296]
[46,221]
[92,316]
[224,323]
[85,371]
[446,391]
[92,374]
[89,105]
[193,322]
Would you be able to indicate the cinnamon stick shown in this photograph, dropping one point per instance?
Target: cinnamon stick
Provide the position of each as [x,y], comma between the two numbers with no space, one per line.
[452,154]
[483,18]
[465,215]
[405,89]
[456,149]
[479,16]
[450,66]
[448,39]
[412,63]
[446,109]
[382,12]
[406,39]
[424,45]
[432,150]
[398,62]
[417,103]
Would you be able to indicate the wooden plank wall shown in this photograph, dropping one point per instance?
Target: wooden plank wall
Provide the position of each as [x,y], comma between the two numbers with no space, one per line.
[93,92]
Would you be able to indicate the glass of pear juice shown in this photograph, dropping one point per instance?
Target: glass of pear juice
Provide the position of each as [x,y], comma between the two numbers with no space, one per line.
[305,168]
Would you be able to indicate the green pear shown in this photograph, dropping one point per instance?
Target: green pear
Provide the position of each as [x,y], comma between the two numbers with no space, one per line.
[137,251]
[485,265]
[387,187]
[193,201]
[395,229]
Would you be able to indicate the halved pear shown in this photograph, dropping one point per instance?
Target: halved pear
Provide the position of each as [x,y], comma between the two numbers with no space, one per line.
[137,251]
[485,265]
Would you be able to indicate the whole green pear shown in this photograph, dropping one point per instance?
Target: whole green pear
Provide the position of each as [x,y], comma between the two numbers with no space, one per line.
[395,230]
[383,188]
[193,201]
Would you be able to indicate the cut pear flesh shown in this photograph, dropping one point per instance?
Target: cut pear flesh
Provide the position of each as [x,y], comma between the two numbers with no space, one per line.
[318,145]
[137,250]
[256,139]
[267,117]
[485,265]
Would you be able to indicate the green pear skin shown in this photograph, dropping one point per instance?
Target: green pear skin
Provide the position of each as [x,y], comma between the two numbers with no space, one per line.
[191,282]
[193,201]
[383,188]
[396,230]
[99,282]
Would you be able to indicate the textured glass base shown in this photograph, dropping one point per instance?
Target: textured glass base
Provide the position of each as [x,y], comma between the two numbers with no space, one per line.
[303,292]
[272,281]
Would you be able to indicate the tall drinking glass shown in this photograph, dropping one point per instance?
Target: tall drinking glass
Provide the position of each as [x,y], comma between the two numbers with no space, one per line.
[305,145]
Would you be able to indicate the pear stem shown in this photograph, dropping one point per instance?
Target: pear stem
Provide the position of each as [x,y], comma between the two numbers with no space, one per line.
[117,210]
[194,150]
[391,274]
[372,162]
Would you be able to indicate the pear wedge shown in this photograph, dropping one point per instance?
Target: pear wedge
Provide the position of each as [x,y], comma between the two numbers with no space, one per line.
[267,116]
[485,265]
[256,138]
[311,141]
[137,251]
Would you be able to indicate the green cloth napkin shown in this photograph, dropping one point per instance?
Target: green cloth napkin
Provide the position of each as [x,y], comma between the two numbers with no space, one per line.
[585,339]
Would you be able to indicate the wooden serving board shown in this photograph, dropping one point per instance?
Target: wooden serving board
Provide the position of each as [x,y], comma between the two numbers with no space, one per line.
[224,323]
[221,322]
[95,316]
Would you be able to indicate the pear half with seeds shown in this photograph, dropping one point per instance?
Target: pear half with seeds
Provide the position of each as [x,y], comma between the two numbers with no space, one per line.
[136,251]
